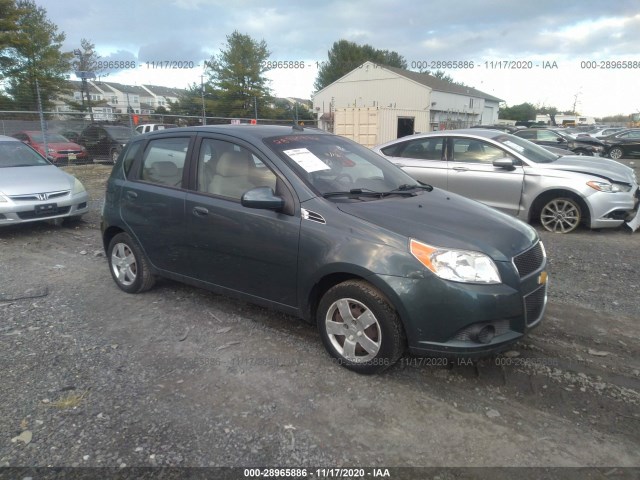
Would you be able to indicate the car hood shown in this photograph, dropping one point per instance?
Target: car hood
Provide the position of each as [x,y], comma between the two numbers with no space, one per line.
[444,219]
[62,146]
[38,179]
[598,166]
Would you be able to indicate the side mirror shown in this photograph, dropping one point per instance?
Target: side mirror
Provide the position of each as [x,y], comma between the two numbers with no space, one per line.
[506,163]
[560,140]
[262,198]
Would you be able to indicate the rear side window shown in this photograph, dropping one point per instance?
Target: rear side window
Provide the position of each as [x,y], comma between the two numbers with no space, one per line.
[163,161]
[130,156]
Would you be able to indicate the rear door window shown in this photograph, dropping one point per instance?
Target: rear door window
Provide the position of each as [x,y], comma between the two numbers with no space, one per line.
[164,160]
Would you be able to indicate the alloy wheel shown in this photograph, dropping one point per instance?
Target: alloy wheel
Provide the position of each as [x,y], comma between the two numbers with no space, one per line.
[353,330]
[560,215]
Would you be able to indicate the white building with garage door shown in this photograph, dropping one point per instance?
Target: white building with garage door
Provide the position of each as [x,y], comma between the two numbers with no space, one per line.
[374,104]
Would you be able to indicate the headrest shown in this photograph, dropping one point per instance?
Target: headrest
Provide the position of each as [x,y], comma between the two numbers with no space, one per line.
[233,164]
[164,169]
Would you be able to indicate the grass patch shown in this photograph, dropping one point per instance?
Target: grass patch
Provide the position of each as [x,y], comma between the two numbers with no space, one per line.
[70,401]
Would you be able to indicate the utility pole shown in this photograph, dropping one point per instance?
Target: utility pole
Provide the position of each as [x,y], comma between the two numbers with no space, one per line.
[204,113]
[255,108]
[42,122]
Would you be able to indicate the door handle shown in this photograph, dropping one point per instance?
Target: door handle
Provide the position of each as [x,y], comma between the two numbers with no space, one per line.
[461,169]
[200,211]
[131,194]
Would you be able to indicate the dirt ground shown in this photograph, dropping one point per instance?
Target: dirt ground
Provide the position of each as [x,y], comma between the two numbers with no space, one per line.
[178,376]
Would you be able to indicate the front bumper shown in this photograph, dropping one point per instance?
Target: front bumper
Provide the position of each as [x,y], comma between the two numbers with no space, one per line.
[14,212]
[609,210]
[439,316]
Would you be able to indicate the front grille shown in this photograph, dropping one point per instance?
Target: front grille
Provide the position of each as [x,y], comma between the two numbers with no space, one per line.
[529,261]
[51,213]
[36,196]
[534,305]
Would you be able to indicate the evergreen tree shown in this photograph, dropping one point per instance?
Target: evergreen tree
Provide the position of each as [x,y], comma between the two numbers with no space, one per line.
[32,52]
[344,56]
[237,75]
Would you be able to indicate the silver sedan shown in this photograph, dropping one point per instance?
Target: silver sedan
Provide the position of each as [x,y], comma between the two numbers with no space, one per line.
[521,178]
[32,189]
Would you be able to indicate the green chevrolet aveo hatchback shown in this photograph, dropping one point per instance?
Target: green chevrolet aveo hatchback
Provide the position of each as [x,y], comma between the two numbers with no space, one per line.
[317,226]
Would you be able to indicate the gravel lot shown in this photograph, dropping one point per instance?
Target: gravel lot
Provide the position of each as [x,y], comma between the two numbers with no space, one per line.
[178,376]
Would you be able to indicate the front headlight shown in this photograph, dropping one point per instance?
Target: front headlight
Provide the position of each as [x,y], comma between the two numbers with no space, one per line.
[77,187]
[456,265]
[609,187]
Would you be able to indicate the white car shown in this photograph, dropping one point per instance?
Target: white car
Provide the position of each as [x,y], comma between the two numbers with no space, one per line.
[152,127]
[32,189]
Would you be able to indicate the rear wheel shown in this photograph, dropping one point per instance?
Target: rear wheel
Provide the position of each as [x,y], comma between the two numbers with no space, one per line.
[561,215]
[129,268]
[360,328]
[616,153]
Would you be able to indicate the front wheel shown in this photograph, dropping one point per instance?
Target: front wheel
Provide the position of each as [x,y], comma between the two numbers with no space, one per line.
[616,153]
[582,152]
[360,328]
[128,266]
[561,215]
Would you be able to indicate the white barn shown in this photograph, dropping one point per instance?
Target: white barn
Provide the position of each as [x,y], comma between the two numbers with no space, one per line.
[374,103]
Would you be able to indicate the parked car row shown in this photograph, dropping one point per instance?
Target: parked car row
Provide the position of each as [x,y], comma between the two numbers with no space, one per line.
[557,138]
[382,259]
[101,142]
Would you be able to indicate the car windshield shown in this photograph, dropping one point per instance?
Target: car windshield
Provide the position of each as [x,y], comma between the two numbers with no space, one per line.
[529,150]
[332,164]
[120,134]
[51,138]
[17,154]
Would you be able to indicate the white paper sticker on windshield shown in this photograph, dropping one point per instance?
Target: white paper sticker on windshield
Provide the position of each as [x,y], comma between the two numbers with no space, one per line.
[515,146]
[306,160]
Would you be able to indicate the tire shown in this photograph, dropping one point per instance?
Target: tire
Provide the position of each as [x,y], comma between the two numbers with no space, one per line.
[583,152]
[560,215]
[114,156]
[371,339]
[616,153]
[128,266]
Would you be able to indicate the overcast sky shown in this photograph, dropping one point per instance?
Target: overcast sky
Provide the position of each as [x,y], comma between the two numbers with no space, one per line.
[565,32]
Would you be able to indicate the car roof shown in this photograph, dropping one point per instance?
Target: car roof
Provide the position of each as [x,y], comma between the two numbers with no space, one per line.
[246,131]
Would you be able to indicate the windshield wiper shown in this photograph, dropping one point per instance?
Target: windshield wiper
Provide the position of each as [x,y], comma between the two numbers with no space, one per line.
[359,192]
[405,187]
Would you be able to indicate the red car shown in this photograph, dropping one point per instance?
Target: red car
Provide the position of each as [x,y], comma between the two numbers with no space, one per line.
[60,149]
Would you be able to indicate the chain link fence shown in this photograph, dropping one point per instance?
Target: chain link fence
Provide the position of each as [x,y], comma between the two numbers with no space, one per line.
[62,130]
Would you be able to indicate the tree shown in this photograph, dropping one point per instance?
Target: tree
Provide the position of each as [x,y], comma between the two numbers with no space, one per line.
[237,73]
[551,111]
[444,76]
[523,112]
[86,61]
[9,15]
[344,56]
[33,55]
